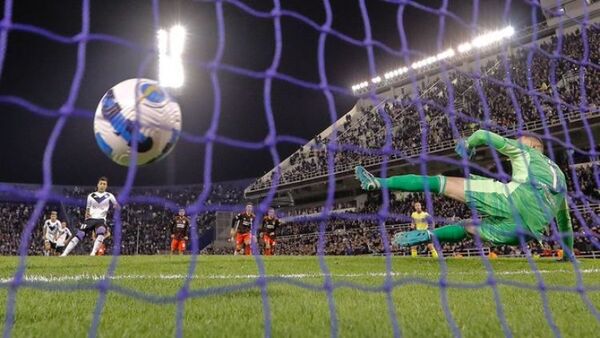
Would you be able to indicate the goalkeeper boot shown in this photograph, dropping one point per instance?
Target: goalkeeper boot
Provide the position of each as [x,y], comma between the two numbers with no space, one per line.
[368,182]
[412,238]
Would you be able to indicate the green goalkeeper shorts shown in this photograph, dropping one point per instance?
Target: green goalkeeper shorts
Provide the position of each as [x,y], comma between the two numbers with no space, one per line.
[496,203]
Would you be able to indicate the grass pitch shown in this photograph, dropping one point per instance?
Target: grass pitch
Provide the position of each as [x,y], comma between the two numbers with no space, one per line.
[60,296]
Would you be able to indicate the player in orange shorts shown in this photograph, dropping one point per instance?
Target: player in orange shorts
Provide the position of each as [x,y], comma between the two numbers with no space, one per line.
[179,232]
[240,230]
[269,226]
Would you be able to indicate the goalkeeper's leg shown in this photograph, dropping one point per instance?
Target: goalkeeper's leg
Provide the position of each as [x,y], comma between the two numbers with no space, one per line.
[488,197]
[447,234]
[495,231]
[452,187]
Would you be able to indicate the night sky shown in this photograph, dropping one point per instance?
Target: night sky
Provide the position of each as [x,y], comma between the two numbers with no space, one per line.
[41,71]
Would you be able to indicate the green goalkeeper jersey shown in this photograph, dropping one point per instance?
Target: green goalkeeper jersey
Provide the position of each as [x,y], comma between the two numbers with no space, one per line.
[537,191]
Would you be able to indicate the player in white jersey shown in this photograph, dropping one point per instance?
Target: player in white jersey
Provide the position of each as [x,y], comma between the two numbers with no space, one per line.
[63,235]
[50,229]
[98,204]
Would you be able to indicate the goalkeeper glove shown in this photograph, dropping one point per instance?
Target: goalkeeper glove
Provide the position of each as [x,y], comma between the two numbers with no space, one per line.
[463,150]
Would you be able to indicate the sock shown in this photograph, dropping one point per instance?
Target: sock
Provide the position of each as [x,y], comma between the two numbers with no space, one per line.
[267,251]
[450,233]
[434,253]
[97,244]
[70,246]
[413,252]
[247,251]
[415,183]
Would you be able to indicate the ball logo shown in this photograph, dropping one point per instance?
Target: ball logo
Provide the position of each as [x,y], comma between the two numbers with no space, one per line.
[152,92]
[123,127]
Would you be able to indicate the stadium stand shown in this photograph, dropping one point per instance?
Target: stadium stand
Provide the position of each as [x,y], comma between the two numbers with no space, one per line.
[362,130]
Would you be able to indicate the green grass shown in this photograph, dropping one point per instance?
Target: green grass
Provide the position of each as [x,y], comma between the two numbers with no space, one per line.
[296,311]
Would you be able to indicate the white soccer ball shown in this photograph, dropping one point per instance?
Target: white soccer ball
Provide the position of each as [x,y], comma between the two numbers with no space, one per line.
[159,120]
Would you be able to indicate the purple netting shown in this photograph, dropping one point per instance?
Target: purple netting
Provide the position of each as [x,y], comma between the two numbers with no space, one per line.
[545,112]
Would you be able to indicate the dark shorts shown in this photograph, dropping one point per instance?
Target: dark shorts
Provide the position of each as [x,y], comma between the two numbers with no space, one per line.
[91,224]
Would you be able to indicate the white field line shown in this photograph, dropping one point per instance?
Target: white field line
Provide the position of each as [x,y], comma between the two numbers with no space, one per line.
[96,277]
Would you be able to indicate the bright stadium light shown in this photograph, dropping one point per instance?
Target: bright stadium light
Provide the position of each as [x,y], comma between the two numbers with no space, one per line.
[448,53]
[481,41]
[170,56]
[493,37]
[365,84]
[176,40]
[416,65]
[395,73]
[465,47]
[508,31]
[163,42]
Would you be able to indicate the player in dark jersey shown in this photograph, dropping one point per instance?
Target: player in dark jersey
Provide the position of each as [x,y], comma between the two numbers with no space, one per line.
[179,232]
[269,227]
[240,230]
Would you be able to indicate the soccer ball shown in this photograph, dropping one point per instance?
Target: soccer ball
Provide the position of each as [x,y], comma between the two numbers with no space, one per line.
[159,122]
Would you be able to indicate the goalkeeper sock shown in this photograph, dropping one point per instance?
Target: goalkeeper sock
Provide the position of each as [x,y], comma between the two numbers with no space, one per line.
[450,233]
[97,243]
[415,183]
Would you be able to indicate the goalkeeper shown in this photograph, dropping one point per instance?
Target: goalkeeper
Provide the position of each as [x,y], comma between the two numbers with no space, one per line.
[525,206]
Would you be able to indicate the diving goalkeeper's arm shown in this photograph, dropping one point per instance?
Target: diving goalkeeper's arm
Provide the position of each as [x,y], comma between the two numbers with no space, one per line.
[509,147]
[466,148]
